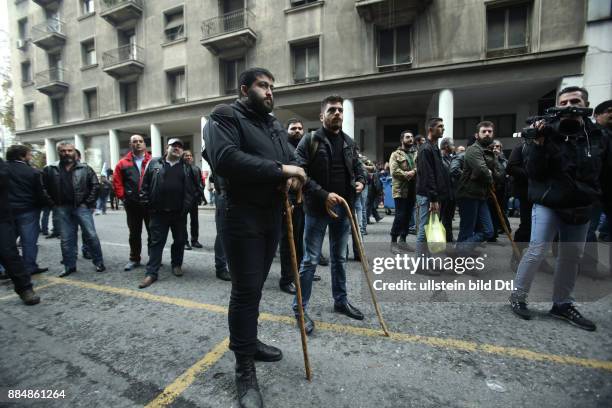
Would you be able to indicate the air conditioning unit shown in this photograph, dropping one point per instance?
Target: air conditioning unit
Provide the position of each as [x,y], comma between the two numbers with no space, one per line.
[21,44]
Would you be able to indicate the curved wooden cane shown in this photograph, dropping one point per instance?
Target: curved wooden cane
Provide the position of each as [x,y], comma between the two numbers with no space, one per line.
[364,260]
[502,221]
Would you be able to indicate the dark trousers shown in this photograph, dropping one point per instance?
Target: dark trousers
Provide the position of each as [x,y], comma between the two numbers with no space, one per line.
[10,259]
[161,222]
[497,222]
[220,259]
[136,216]
[447,212]
[523,232]
[194,223]
[298,239]
[403,212]
[250,238]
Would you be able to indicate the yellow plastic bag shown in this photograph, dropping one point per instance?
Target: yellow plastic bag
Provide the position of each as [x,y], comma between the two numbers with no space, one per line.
[435,234]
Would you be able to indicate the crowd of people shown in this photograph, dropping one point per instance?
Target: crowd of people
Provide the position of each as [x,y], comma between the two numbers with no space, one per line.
[561,178]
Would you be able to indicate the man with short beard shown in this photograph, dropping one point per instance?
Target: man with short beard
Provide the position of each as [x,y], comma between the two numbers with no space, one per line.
[336,173]
[479,173]
[72,187]
[127,179]
[247,147]
[403,171]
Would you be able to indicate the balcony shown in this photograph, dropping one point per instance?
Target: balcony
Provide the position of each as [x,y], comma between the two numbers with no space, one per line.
[49,35]
[122,13]
[48,4]
[125,62]
[380,12]
[52,82]
[229,34]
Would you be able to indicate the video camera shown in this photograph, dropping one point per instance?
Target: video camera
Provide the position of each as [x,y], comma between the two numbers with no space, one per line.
[552,120]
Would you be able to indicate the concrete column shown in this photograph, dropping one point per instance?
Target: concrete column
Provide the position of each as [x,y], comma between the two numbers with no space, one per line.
[348,124]
[196,143]
[50,150]
[113,142]
[205,166]
[446,110]
[156,141]
[79,143]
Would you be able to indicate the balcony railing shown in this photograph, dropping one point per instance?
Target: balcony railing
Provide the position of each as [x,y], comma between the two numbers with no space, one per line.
[234,21]
[50,75]
[125,53]
[110,4]
[51,26]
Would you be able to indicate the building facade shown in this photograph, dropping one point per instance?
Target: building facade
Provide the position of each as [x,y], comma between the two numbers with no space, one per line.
[97,71]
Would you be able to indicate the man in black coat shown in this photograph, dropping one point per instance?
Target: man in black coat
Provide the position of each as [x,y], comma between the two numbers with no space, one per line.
[247,147]
[9,255]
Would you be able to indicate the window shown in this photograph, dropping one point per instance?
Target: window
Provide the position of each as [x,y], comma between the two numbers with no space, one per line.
[57,110]
[232,70]
[295,3]
[129,96]
[28,115]
[599,10]
[176,86]
[26,73]
[507,30]
[504,124]
[91,103]
[306,63]
[88,52]
[393,47]
[464,128]
[22,28]
[87,6]
[174,24]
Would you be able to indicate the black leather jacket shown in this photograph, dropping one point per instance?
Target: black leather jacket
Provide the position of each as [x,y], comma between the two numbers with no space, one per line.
[318,169]
[84,181]
[154,178]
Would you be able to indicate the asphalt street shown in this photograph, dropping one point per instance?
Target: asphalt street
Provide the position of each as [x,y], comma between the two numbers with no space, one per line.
[106,343]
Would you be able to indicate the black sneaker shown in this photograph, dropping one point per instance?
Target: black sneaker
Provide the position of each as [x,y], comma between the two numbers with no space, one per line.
[569,313]
[519,308]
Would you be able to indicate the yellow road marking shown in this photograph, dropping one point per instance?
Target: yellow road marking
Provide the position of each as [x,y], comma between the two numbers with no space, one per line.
[37,288]
[431,341]
[172,391]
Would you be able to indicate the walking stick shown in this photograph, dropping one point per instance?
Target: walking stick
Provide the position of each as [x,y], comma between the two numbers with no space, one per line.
[298,287]
[502,221]
[364,261]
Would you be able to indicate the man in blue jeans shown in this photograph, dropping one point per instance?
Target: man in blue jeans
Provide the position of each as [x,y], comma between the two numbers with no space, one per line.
[26,199]
[563,168]
[335,172]
[432,185]
[479,172]
[72,187]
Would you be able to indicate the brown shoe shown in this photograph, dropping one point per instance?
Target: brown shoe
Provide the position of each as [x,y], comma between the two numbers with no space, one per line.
[29,297]
[147,281]
[177,270]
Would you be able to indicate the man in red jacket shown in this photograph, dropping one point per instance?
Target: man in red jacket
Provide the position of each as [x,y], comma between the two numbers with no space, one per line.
[127,179]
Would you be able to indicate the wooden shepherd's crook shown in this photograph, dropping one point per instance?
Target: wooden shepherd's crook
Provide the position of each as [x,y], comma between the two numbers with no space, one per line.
[364,261]
[502,221]
[298,287]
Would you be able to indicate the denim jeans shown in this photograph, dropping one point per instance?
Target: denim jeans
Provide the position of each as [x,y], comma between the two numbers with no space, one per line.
[363,224]
[314,234]
[359,207]
[101,204]
[44,220]
[422,205]
[70,219]
[28,229]
[545,223]
[475,225]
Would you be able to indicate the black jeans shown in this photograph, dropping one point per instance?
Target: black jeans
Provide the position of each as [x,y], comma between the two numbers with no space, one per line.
[298,239]
[403,212]
[136,216]
[523,232]
[447,212]
[220,260]
[250,238]
[159,225]
[10,259]
[195,224]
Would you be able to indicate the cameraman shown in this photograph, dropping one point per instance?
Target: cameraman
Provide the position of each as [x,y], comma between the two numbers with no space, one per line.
[563,169]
